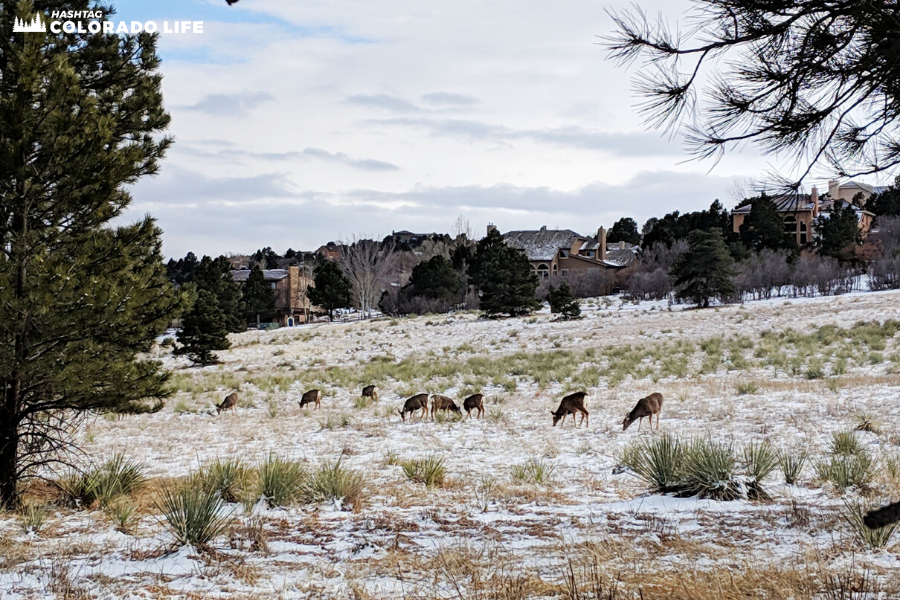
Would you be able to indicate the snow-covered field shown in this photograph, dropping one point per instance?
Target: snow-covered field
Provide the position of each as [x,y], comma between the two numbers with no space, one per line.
[484,534]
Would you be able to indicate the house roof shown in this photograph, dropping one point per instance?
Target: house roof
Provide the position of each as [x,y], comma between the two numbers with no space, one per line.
[542,244]
[243,275]
[793,203]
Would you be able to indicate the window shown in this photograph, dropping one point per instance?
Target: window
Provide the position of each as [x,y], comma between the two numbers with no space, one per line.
[543,270]
[803,233]
[564,272]
[563,253]
[555,268]
[589,254]
[790,227]
[272,285]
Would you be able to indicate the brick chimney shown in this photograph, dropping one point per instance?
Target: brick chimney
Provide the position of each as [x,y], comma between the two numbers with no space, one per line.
[834,189]
[491,227]
[814,198]
[601,241]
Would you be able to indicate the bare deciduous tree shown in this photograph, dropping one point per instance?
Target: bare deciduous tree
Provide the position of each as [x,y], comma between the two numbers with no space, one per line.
[367,264]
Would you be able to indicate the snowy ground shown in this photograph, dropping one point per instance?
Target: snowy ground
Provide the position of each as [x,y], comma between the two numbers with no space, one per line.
[482,530]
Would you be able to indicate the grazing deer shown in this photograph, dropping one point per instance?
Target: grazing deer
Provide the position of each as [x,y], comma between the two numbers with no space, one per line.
[439,402]
[230,401]
[417,402]
[475,401]
[646,407]
[312,396]
[370,391]
[571,404]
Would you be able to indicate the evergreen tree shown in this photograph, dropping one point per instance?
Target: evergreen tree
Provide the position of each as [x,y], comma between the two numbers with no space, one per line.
[562,301]
[886,203]
[214,276]
[838,232]
[258,298]
[763,228]
[182,271]
[435,278]
[203,330]
[503,278]
[332,289]
[624,230]
[266,258]
[704,271]
[82,298]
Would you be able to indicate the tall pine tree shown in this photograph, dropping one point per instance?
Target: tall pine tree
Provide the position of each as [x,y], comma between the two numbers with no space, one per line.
[331,289]
[81,298]
[203,330]
[503,278]
[838,232]
[259,299]
[214,276]
[704,271]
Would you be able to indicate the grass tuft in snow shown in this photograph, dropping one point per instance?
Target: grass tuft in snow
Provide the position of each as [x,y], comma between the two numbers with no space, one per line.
[193,514]
[656,461]
[791,463]
[430,471]
[708,471]
[228,476]
[879,538]
[759,460]
[534,471]
[121,512]
[845,443]
[280,480]
[848,470]
[32,517]
[332,481]
[867,423]
[744,388]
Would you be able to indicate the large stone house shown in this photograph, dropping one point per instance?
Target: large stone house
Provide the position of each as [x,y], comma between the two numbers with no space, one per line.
[799,211]
[292,306]
[562,251]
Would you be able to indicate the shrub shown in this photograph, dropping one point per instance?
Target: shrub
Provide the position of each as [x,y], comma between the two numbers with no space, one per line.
[121,513]
[195,515]
[746,387]
[228,476]
[872,538]
[847,470]
[332,481]
[33,516]
[759,460]
[116,477]
[708,471]
[791,463]
[280,480]
[534,471]
[845,443]
[656,461]
[866,423]
[430,471]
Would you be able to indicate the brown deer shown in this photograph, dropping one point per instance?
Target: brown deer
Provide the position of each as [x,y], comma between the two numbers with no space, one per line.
[439,402]
[312,396]
[646,407]
[475,401]
[230,401]
[571,404]
[417,402]
[370,391]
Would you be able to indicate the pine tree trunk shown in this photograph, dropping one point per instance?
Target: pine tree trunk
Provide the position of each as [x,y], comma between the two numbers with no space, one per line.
[9,442]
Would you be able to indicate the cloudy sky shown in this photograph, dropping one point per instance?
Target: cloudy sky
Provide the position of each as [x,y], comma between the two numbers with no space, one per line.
[299,122]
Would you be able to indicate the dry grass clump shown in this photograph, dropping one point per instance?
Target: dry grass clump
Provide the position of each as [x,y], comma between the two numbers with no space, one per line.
[280,481]
[534,471]
[115,477]
[430,471]
[333,482]
[194,514]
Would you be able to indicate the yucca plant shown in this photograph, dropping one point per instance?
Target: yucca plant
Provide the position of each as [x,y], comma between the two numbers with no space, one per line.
[708,471]
[121,512]
[656,461]
[117,476]
[759,460]
[534,471]
[746,387]
[845,443]
[879,538]
[75,489]
[848,470]
[228,476]
[195,515]
[32,517]
[331,481]
[280,481]
[791,463]
[430,470]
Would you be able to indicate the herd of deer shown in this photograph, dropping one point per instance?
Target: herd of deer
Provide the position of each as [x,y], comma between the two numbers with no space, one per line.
[572,404]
